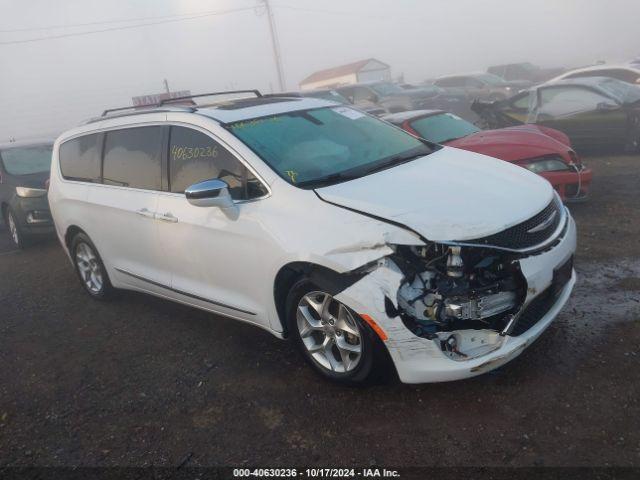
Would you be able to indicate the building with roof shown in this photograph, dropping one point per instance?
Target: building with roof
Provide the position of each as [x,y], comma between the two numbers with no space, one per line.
[368,70]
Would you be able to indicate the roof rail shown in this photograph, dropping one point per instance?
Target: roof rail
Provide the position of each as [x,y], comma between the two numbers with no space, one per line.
[227,92]
[176,99]
[138,111]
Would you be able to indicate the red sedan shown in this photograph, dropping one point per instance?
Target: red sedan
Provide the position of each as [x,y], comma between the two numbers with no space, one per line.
[542,150]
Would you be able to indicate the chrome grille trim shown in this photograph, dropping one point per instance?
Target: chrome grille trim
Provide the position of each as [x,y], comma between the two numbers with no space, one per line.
[555,236]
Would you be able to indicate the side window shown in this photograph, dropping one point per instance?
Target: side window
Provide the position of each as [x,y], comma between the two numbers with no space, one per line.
[521,102]
[618,73]
[471,82]
[132,158]
[628,76]
[455,82]
[362,94]
[195,157]
[561,101]
[443,82]
[347,92]
[80,159]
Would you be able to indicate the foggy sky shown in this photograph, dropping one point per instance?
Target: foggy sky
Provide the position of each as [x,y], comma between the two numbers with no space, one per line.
[49,86]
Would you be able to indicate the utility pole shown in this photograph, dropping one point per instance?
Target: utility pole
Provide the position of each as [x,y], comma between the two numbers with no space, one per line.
[275,45]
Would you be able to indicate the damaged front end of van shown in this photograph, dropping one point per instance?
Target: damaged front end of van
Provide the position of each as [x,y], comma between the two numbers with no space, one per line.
[456,309]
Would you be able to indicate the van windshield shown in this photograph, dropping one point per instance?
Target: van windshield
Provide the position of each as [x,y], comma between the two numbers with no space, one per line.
[26,160]
[323,146]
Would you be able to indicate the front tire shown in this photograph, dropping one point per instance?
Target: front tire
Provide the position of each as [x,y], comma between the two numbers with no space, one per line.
[332,338]
[90,269]
[632,143]
[15,232]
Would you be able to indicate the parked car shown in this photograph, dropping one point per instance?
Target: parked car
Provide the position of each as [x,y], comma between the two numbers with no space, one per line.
[624,73]
[24,173]
[392,98]
[526,72]
[596,113]
[480,86]
[542,150]
[332,95]
[318,222]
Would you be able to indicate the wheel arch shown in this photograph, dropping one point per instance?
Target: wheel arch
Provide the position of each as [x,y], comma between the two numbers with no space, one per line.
[330,280]
[72,231]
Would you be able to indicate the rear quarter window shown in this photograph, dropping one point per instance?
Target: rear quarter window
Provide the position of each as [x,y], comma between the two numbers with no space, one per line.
[80,159]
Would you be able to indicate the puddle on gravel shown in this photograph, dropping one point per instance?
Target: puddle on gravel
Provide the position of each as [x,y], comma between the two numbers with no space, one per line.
[606,293]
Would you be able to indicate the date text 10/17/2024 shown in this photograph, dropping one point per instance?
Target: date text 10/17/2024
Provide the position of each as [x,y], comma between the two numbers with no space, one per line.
[337,473]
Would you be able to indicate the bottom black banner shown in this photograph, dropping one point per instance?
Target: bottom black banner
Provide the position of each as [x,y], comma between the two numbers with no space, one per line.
[231,473]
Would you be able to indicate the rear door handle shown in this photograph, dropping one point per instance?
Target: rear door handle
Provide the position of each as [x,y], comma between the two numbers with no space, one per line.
[146,213]
[167,217]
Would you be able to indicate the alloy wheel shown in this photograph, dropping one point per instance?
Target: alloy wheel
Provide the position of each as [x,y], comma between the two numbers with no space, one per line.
[329,332]
[89,268]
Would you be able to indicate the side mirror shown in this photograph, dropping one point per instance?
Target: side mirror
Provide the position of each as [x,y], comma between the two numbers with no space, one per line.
[211,193]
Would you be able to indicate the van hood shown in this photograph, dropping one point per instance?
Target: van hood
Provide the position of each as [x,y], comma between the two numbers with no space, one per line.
[449,195]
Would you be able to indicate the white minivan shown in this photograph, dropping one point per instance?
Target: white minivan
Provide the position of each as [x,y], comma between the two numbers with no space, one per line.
[362,243]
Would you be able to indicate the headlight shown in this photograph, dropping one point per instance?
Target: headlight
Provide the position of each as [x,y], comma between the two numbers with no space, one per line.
[546,164]
[25,192]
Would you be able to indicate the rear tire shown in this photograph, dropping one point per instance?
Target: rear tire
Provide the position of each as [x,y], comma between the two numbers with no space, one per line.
[331,337]
[90,269]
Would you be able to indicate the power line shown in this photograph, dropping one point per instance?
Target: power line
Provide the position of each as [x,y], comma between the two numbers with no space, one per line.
[125,27]
[329,12]
[105,22]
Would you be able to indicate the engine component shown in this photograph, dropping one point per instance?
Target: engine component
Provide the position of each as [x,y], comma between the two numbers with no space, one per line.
[481,307]
[457,285]
[412,298]
[455,265]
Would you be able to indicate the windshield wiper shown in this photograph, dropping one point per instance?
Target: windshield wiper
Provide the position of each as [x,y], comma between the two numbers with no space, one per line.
[328,180]
[393,161]
[358,172]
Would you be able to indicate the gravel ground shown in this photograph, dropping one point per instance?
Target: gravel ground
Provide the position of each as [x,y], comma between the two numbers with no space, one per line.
[142,381]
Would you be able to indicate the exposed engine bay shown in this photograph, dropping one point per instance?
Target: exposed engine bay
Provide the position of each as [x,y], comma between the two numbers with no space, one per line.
[449,288]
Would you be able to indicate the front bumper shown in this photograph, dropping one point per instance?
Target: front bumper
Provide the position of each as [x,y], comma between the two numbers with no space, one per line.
[571,186]
[421,360]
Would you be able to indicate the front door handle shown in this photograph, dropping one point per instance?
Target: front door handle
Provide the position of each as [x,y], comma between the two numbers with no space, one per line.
[167,217]
[146,213]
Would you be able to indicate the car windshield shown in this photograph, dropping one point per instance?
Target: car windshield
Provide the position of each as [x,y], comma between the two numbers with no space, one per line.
[323,146]
[443,127]
[492,79]
[623,91]
[386,88]
[27,160]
